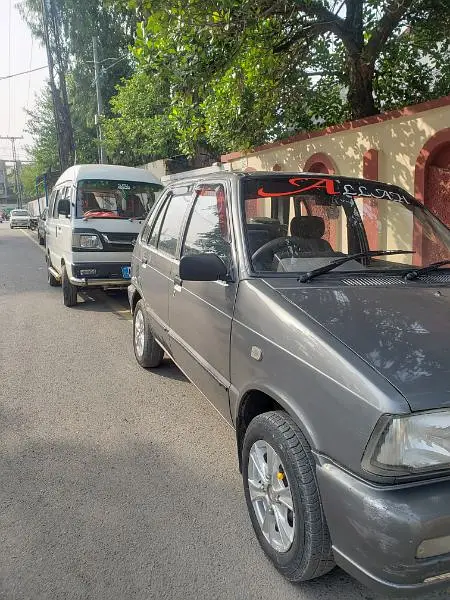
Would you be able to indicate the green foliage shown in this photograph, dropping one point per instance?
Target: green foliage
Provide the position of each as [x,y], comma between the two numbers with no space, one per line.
[140,129]
[242,73]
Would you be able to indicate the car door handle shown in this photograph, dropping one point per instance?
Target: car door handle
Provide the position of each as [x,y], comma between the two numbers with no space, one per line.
[177,283]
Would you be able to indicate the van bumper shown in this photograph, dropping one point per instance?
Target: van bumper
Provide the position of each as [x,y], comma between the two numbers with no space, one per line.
[101,275]
[377,531]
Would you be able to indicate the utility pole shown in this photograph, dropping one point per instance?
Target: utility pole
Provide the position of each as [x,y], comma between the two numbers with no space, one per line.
[101,149]
[13,139]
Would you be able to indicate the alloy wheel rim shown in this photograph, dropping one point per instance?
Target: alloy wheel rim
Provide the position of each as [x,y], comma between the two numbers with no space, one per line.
[271,496]
[139,333]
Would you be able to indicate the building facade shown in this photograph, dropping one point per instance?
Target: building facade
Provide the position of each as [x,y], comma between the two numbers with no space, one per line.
[408,147]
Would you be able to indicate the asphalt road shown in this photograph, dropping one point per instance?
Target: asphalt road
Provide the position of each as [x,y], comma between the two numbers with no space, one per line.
[115,483]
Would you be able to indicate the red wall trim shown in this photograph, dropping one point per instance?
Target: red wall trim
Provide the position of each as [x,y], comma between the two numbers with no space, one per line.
[370,164]
[394,114]
[321,157]
[433,144]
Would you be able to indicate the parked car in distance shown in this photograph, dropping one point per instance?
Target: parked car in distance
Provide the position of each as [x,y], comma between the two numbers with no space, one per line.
[19,218]
[313,312]
[94,217]
[41,227]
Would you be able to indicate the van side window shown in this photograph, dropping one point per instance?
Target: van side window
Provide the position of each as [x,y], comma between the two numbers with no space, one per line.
[207,230]
[51,202]
[63,197]
[178,205]
[58,194]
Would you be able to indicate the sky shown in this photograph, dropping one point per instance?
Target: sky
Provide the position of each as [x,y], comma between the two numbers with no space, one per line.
[18,52]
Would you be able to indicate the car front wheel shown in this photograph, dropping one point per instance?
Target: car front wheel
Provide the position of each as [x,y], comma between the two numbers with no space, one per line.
[283,498]
[148,352]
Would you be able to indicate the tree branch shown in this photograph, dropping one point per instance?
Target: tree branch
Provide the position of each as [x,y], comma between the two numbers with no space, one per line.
[335,24]
[394,12]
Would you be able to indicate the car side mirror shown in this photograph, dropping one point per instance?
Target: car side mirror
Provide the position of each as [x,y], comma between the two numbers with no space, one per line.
[64,208]
[202,267]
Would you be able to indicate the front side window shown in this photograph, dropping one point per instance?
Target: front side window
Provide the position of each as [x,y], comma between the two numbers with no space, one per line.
[207,230]
[114,199]
[296,224]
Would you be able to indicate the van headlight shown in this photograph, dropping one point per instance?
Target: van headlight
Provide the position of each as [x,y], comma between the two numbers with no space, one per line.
[410,444]
[86,241]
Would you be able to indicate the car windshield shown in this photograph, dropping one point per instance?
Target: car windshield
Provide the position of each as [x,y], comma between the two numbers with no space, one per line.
[19,213]
[100,198]
[299,223]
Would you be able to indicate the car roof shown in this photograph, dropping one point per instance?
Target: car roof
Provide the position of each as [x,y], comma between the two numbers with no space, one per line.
[270,174]
[78,172]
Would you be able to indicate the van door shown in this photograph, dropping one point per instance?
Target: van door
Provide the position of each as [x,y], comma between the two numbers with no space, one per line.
[62,238]
[200,312]
[51,228]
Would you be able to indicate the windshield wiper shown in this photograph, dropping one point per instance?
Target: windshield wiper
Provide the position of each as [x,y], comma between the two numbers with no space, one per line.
[428,269]
[340,261]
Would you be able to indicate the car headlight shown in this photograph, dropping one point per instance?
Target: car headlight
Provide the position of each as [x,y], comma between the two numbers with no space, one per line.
[410,444]
[87,241]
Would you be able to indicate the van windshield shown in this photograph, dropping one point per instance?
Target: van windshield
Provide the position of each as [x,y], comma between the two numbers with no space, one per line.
[114,199]
[19,213]
[296,224]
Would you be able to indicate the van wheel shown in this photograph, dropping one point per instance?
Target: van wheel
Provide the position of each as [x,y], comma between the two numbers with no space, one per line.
[41,241]
[148,352]
[283,498]
[69,291]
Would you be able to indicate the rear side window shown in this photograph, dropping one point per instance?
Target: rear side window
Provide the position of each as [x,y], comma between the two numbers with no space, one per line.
[157,225]
[173,221]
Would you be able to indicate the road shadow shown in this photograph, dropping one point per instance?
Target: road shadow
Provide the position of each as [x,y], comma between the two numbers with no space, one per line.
[168,369]
[138,519]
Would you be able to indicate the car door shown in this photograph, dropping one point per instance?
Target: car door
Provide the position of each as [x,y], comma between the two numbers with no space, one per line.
[156,259]
[200,313]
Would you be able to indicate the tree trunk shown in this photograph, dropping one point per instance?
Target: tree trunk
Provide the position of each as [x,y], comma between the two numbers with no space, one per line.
[360,92]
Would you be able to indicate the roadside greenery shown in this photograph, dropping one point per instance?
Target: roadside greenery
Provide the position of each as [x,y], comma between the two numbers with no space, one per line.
[205,77]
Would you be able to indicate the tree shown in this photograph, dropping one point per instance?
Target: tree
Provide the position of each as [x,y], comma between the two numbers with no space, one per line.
[79,21]
[243,73]
[139,129]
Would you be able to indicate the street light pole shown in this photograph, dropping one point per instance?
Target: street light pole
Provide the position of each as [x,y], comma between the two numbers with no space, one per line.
[101,149]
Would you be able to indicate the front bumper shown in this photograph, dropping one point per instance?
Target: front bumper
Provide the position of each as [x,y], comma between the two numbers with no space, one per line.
[106,275]
[376,530]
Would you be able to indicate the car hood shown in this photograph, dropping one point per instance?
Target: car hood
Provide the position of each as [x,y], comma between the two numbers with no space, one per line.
[402,332]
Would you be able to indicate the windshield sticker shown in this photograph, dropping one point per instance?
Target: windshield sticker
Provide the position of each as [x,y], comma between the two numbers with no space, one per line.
[302,185]
[124,186]
[377,193]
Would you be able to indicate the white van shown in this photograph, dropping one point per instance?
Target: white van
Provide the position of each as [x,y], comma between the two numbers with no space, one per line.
[95,214]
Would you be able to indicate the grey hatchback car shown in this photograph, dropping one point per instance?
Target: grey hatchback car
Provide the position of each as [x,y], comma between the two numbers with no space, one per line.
[313,312]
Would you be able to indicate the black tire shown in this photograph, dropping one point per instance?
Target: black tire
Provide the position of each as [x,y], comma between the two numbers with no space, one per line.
[152,353]
[69,290]
[310,554]
[41,241]
[51,279]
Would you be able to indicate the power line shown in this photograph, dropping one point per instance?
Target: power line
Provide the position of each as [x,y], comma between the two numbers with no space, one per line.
[29,68]
[23,72]
[9,65]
